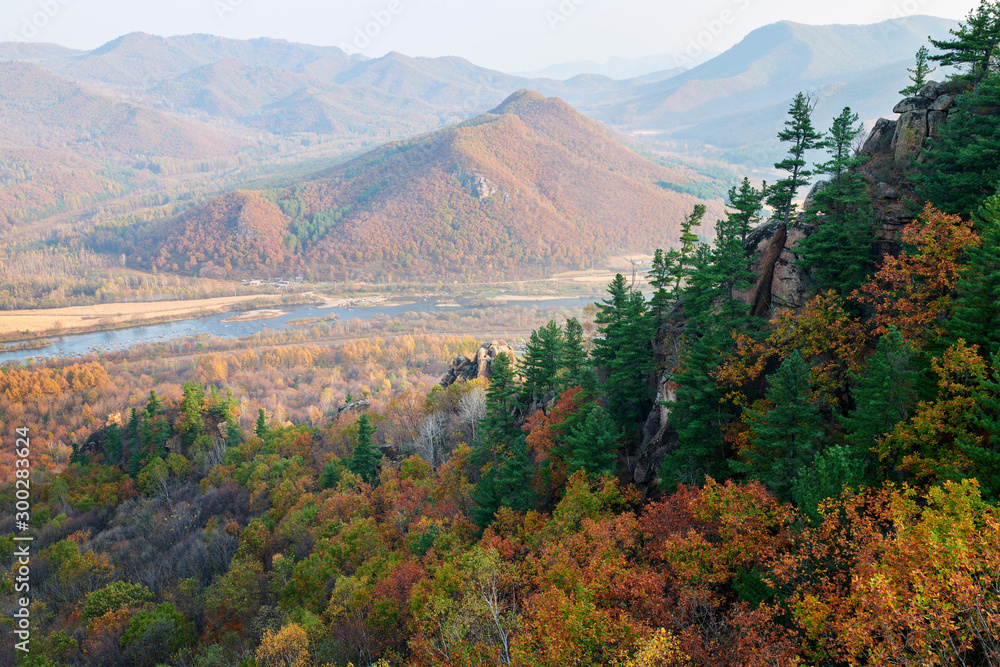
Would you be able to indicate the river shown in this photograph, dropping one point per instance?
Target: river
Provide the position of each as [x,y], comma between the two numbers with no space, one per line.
[121,339]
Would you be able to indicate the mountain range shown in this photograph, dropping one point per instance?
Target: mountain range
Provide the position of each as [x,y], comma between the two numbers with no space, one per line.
[732,102]
[438,176]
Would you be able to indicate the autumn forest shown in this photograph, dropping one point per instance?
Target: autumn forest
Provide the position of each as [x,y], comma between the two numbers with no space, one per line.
[779,445]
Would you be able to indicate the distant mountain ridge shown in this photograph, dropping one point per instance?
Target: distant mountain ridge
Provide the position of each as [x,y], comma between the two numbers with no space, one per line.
[738,99]
[732,102]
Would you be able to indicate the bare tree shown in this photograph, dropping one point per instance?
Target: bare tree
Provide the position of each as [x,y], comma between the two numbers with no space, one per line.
[472,409]
[431,436]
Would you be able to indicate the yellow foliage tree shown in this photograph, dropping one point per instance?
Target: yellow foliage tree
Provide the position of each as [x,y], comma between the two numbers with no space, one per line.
[288,647]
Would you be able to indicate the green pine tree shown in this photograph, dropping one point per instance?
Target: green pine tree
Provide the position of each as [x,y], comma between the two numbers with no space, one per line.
[624,351]
[962,166]
[884,394]
[154,406]
[508,483]
[661,278]
[786,438]
[261,429]
[591,445]
[977,309]
[500,425]
[840,250]
[698,414]
[574,353]
[833,470]
[975,42]
[331,474]
[136,462]
[113,450]
[919,72]
[364,462]
[803,137]
[192,404]
[543,361]
[983,448]
[681,264]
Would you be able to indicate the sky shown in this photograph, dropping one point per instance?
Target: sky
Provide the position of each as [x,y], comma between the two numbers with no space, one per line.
[508,35]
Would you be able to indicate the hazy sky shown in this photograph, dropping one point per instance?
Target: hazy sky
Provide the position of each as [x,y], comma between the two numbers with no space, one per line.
[509,35]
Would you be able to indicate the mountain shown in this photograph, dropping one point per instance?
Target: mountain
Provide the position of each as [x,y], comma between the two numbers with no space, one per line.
[738,99]
[41,110]
[65,147]
[653,67]
[526,188]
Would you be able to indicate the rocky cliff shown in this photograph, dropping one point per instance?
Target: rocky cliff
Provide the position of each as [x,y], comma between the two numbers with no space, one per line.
[481,364]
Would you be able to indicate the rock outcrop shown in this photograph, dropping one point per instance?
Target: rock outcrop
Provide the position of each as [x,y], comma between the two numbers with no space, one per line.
[476,184]
[359,406]
[481,364]
[892,146]
[781,283]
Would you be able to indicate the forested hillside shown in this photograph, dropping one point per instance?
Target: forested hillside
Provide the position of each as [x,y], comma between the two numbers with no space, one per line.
[531,187]
[702,475]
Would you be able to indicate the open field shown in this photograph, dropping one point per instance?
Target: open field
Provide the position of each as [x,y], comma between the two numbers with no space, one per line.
[77,319]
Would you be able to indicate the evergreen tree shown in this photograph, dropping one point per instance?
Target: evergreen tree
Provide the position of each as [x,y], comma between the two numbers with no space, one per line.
[713,313]
[113,450]
[261,428]
[234,435]
[787,437]
[919,72]
[745,203]
[575,356]
[730,263]
[840,249]
[499,427]
[133,425]
[135,462]
[661,278]
[543,360]
[331,474]
[591,445]
[883,396]
[962,165]
[800,133]
[984,451]
[689,241]
[365,459]
[698,414]
[833,470]
[845,189]
[625,352]
[508,483]
[154,406]
[975,42]
[191,407]
[977,309]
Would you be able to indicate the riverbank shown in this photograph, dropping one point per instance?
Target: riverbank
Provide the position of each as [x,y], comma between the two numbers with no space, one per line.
[17,325]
